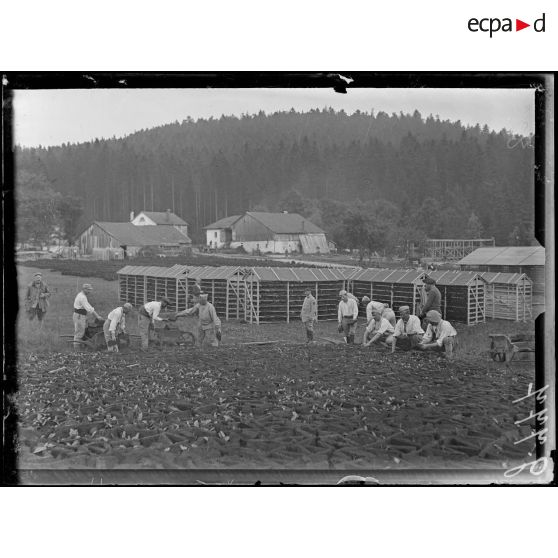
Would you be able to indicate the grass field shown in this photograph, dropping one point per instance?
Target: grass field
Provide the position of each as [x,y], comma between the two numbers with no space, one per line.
[285,405]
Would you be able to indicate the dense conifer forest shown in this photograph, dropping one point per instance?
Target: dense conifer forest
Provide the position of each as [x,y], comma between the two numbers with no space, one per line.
[390,178]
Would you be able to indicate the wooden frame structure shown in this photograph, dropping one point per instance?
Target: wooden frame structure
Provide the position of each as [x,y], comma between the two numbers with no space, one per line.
[454,248]
[268,294]
[463,293]
[509,296]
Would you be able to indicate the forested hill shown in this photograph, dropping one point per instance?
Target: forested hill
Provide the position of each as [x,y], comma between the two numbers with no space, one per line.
[438,177]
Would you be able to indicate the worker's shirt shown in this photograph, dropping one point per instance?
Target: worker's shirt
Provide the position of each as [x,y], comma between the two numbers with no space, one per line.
[207,316]
[117,319]
[309,309]
[153,309]
[81,303]
[373,305]
[433,300]
[437,333]
[412,326]
[347,309]
[379,327]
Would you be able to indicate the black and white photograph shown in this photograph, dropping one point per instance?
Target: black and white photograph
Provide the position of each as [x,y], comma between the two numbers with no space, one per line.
[270,278]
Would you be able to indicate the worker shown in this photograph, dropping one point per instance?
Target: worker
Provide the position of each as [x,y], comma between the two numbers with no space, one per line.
[408,331]
[440,335]
[386,311]
[81,309]
[379,331]
[36,299]
[433,297]
[196,291]
[347,314]
[209,324]
[148,315]
[309,314]
[115,324]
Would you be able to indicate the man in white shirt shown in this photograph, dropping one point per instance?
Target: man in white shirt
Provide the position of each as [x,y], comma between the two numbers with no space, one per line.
[309,314]
[408,331]
[347,314]
[148,315]
[440,335]
[115,324]
[209,324]
[81,309]
[386,312]
[379,331]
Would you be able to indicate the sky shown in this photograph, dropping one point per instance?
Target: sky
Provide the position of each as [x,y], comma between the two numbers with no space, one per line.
[53,117]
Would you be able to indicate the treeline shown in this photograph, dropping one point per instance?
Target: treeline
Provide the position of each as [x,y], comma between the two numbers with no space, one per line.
[436,175]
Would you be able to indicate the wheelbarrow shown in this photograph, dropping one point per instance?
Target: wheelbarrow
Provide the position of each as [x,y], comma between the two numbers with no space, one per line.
[505,348]
[94,337]
[172,331]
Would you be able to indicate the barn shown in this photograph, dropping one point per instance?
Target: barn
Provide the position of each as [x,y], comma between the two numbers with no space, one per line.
[106,239]
[219,234]
[161,219]
[509,259]
[277,233]
[463,293]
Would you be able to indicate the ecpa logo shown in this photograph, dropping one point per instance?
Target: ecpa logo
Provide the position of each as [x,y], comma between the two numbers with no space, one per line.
[494,24]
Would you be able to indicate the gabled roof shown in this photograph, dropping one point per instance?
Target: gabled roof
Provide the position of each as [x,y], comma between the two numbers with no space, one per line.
[285,223]
[163,217]
[224,223]
[131,235]
[506,255]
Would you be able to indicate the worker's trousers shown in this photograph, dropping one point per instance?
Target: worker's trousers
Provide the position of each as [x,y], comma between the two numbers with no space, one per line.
[80,323]
[207,337]
[144,326]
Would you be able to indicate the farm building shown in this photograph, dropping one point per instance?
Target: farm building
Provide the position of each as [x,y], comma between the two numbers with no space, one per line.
[511,259]
[253,294]
[160,218]
[276,233]
[219,234]
[106,240]
[508,296]
[463,293]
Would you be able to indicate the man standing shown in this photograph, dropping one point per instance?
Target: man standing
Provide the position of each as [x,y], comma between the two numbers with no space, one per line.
[209,324]
[379,331]
[309,314]
[196,291]
[148,315]
[408,331]
[433,297]
[81,309]
[440,335]
[347,314]
[36,300]
[115,324]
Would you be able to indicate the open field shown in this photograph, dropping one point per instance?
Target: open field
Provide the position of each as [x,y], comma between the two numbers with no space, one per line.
[285,405]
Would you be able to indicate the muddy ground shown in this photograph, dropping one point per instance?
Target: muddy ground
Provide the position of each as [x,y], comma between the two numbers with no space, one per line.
[280,406]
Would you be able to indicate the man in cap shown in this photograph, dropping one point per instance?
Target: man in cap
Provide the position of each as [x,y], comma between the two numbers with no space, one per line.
[440,335]
[148,315]
[433,297]
[81,309]
[36,299]
[309,314]
[379,331]
[115,324]
[408,331]
[209,324]
[347,314]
